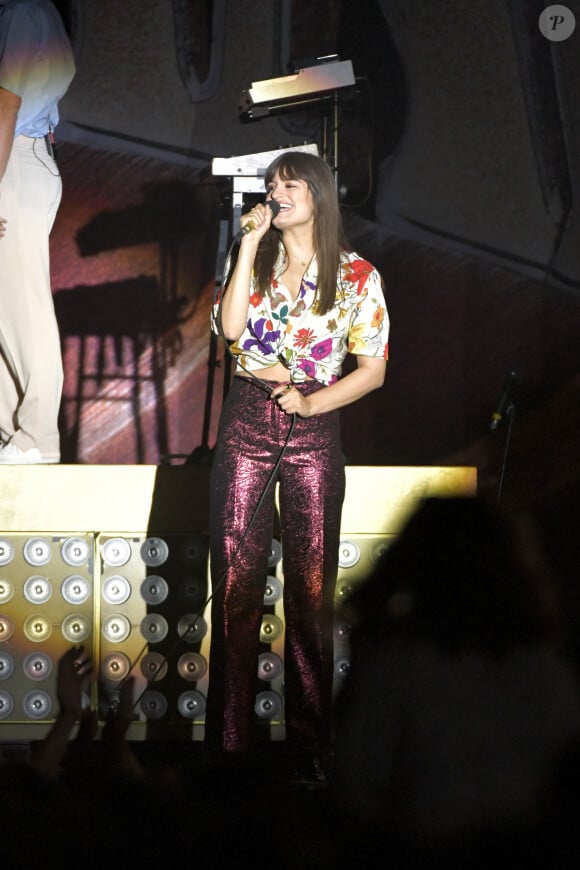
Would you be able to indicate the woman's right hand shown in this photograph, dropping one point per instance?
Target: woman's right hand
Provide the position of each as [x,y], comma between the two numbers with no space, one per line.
[258,219]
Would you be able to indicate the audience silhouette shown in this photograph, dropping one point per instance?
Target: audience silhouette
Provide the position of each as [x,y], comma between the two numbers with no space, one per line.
[461,700]
[456,732]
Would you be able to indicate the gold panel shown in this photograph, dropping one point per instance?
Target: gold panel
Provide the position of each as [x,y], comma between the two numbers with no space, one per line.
[379,499]
[152,613]
[174,498]
[46,596]
[134,498]
[116,557]
[158,520]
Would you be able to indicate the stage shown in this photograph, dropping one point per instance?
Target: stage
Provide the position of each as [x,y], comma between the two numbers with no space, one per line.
[115,557]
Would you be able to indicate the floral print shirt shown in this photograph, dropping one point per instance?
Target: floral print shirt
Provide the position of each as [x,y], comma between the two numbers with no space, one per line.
[279,329]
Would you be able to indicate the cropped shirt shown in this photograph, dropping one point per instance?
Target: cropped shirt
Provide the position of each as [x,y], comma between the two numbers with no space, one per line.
[309,344]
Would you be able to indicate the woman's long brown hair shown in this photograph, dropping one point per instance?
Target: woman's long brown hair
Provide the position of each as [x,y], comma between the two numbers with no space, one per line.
[329,236]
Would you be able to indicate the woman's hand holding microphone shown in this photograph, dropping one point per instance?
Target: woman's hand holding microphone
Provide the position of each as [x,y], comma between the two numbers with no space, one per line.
[259,218]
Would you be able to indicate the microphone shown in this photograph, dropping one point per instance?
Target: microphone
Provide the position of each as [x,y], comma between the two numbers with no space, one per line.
[504,400]
[273,204]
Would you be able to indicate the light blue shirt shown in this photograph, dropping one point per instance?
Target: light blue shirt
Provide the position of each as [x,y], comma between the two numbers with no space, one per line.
[36,62]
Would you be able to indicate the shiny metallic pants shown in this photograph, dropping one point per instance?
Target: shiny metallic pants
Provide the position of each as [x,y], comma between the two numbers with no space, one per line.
[253,432]
[31,370]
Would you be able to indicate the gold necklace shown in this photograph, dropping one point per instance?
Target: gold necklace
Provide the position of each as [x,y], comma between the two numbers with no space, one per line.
[302,262]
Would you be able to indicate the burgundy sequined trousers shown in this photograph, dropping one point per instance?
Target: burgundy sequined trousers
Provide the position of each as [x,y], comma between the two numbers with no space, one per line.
[253,432]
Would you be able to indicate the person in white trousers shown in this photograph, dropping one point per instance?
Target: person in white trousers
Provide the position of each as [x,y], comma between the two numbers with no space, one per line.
[36,68]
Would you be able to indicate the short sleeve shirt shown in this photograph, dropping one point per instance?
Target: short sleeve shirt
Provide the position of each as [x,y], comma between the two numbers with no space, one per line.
[36,62]
[309,344]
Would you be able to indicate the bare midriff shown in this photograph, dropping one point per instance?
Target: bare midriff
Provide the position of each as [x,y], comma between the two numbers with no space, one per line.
[277,373]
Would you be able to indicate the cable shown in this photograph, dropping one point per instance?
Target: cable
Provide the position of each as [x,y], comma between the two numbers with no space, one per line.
[267,387]
[167,656]
[40,160]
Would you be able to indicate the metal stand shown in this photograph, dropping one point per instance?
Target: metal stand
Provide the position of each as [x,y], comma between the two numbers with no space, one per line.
[329,136]
[242,185]
[510,413]
[201,455]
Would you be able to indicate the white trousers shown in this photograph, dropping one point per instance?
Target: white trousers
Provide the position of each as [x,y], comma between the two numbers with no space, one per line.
[31,369]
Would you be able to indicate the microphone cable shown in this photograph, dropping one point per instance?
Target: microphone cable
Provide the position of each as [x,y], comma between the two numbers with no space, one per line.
[267,387]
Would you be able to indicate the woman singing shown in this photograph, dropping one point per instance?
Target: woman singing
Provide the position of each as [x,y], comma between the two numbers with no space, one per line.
[295,304]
